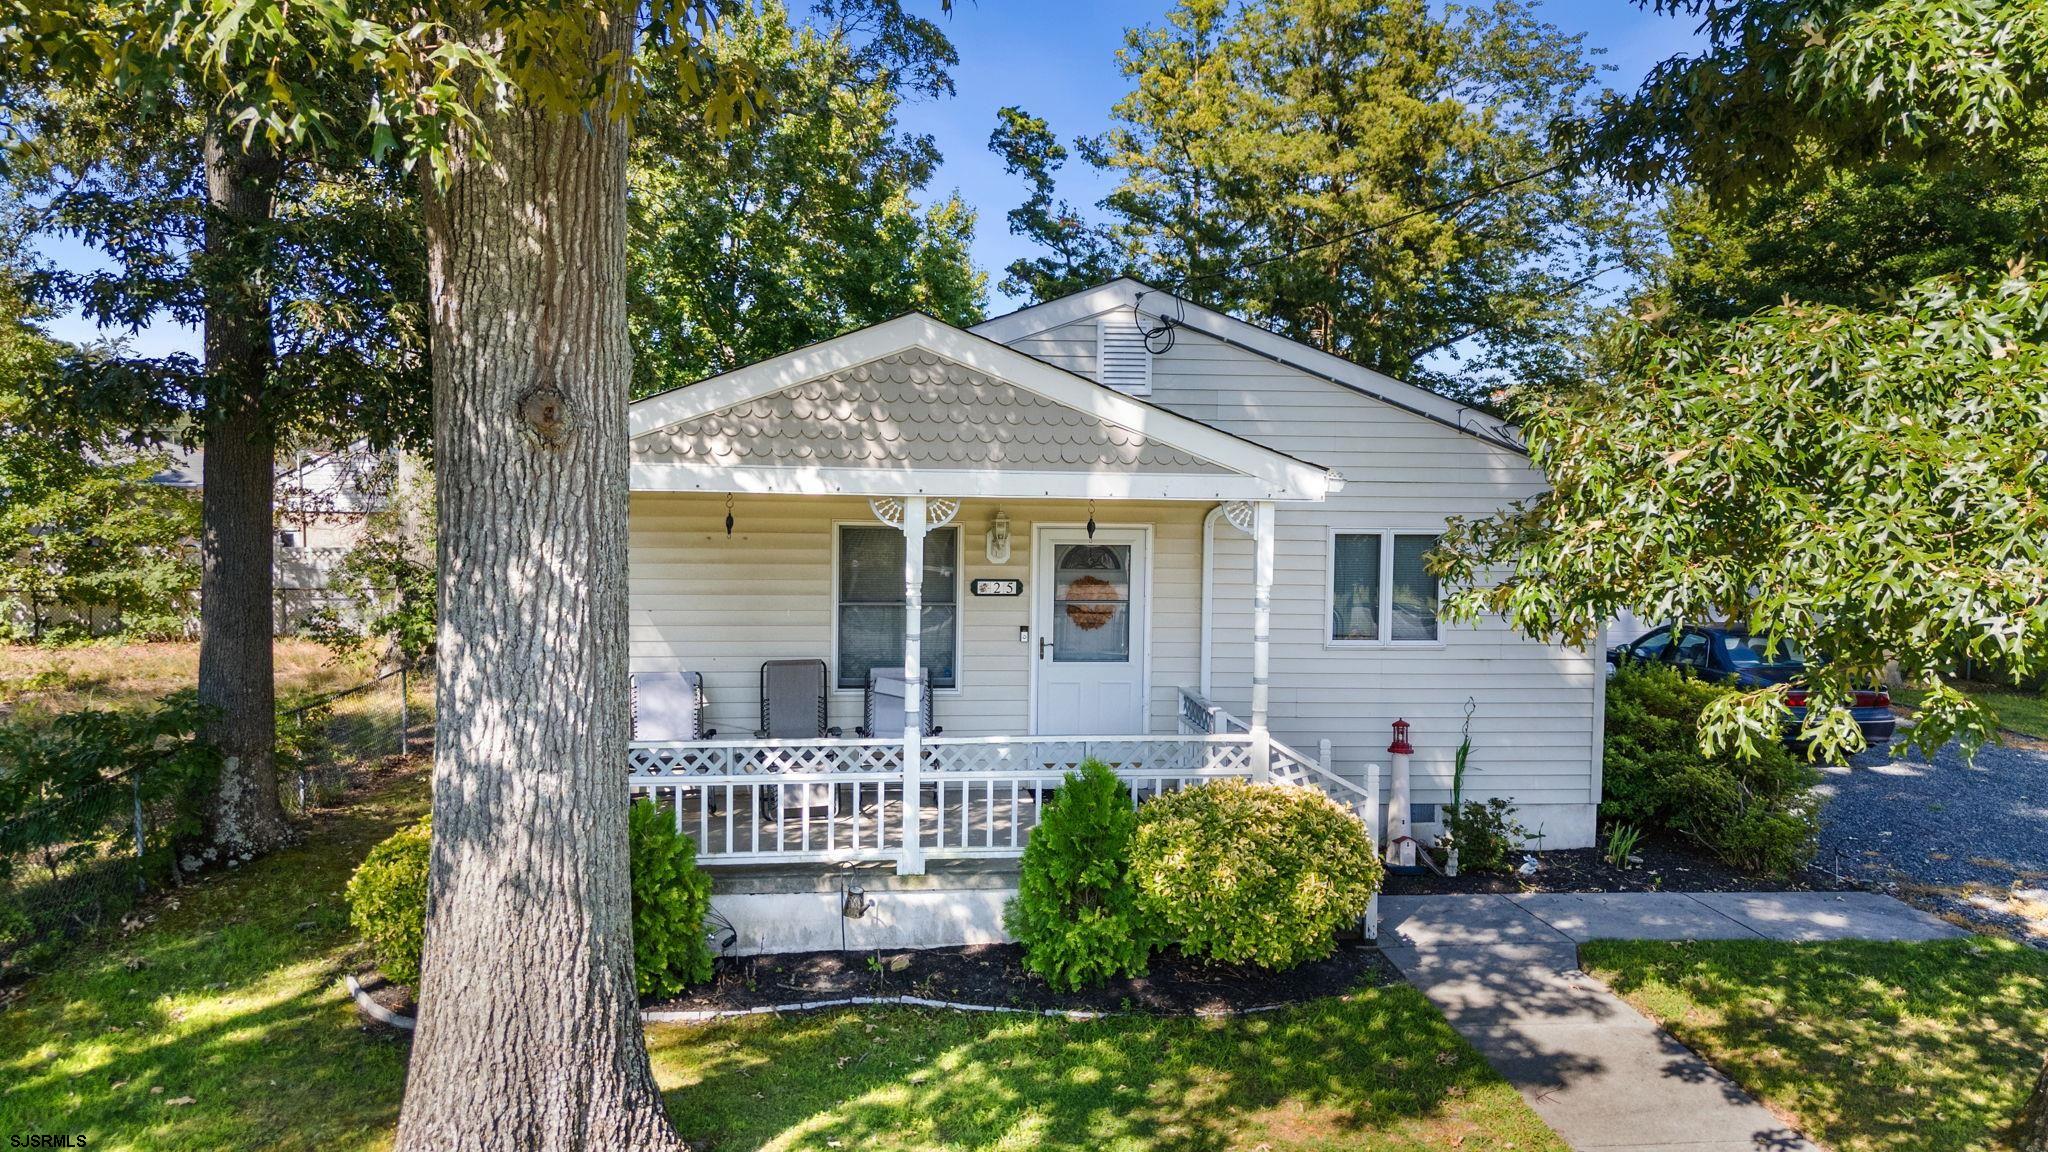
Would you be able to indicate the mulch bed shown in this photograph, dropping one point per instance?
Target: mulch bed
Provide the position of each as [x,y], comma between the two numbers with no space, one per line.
[994,975]
[396,997]
[1666,866]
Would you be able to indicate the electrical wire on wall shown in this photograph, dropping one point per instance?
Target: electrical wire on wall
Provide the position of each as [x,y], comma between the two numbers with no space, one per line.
[1158,338]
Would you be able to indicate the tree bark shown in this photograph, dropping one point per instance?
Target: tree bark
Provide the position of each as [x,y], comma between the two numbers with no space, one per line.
[2033,1127]
[238,479]
[529,1032]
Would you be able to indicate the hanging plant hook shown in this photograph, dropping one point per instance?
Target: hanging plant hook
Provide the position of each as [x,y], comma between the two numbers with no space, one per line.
[1091,519]
[728,515]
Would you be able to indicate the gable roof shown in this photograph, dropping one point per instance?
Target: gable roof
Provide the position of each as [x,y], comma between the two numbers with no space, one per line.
[913,405]
[1163,305]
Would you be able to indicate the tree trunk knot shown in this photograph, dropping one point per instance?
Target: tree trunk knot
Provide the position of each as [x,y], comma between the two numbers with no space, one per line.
[546,412]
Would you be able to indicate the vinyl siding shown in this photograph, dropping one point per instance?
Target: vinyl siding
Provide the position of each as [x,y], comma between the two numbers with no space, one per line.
[704,603]
[1532,728]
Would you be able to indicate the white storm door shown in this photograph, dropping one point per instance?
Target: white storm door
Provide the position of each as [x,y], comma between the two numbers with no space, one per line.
[1091,619]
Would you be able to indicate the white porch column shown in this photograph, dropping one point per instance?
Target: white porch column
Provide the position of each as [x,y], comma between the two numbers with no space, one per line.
[911,862]
[1262,625]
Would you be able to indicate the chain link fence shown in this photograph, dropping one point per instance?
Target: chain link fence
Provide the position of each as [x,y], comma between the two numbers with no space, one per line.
[121,840]
[63,887]
[334,742]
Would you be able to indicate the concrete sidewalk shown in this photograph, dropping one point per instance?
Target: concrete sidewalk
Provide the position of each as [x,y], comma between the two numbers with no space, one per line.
[1505,971]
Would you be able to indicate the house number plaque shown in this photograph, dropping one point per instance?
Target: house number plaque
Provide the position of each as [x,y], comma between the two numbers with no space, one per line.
[998,587]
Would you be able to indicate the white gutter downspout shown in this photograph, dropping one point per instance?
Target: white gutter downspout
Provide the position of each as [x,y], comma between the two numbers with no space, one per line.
[1208,590]
[1335,485]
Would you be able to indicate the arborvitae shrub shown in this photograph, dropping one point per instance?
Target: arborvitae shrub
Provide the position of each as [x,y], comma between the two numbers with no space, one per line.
[1075,911]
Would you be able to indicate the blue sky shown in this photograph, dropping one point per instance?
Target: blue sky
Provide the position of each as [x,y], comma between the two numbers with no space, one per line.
[1057,59]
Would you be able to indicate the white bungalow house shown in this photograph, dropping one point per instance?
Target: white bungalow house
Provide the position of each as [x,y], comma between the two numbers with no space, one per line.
[1149,532]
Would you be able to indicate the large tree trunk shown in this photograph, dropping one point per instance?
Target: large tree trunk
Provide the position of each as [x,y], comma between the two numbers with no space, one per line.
[2033,1126]
[529,1031]
[238,479]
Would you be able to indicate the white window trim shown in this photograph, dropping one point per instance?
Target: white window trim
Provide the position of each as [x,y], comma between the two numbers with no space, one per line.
[959,610]
[1386,620]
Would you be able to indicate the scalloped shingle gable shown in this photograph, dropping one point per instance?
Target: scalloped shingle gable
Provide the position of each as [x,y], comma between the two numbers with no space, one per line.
[912,408]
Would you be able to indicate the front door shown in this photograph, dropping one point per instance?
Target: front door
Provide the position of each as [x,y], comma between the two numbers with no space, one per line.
[1091,619]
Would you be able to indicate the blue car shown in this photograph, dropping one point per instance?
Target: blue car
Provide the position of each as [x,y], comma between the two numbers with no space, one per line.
[1735,656]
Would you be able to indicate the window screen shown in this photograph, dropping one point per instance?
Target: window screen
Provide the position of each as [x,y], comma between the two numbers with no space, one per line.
[1355,587]
[869,615]
[1415,592]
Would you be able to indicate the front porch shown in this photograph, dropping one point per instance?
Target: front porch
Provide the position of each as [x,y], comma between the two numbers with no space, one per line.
[855,800]
[857,842]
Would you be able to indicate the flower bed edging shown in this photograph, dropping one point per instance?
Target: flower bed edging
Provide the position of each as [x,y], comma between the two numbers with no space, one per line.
[368,1005]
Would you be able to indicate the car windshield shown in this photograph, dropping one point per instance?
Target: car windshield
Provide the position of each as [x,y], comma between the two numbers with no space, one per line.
[1752,651]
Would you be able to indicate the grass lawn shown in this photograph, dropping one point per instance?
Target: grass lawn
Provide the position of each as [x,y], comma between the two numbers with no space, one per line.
[222,1025]
[47,680]
[2023,712]
[1928,1047]
[1376,1070]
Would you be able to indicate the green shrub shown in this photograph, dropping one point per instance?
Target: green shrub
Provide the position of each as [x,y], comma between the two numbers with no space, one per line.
[1487,835]
[1758,814]
[388,904]
[671,897]
[387,901]
[1076,912]
[69,784]
[1246,873]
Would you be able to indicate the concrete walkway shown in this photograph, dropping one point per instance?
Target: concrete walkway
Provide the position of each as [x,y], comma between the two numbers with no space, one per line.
[1505,971]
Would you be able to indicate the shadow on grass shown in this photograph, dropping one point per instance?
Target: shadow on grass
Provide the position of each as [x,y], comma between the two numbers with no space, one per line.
[220,1025]
[1377,1070]
[1874,1047]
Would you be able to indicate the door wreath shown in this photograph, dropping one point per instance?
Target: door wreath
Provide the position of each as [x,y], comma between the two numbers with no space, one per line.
[1092,602]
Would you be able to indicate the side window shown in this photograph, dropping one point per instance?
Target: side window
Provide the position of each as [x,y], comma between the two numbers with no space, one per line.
[1380,589]
[1693,651]
[1652,647]
[1415,590]
[1355,586]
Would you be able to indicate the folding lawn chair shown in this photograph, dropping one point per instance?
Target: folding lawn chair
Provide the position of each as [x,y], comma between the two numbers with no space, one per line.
[669,706]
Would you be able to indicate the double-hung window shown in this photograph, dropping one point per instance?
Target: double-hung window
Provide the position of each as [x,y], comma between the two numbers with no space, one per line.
[868,614]
[1380,591]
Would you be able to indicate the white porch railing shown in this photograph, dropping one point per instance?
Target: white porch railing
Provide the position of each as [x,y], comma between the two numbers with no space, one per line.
[1199,716]
[764,801]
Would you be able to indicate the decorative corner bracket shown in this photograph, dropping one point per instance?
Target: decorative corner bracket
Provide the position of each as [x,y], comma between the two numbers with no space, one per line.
[938,512]
[1241,514]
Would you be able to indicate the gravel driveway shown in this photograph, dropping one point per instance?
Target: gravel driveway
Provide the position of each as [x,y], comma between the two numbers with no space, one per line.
[1969,839]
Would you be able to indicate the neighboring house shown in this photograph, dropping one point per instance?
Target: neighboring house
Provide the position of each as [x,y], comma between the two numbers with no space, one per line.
[1250,601]
[323,497]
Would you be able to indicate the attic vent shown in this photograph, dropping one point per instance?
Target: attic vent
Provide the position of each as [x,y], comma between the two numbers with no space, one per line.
[1122,360]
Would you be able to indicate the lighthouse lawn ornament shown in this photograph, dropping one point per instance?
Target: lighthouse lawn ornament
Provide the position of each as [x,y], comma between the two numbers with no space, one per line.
[1400,833]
